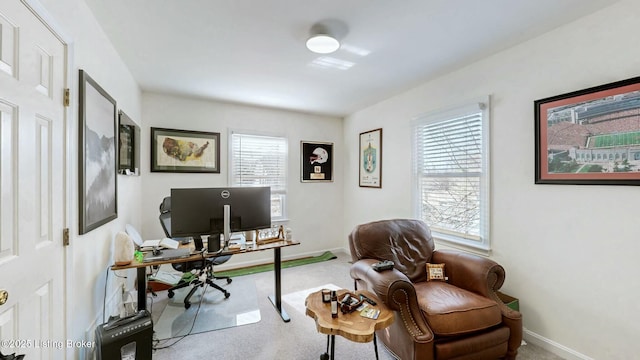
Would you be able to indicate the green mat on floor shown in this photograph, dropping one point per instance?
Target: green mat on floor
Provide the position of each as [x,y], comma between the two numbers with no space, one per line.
[269,267]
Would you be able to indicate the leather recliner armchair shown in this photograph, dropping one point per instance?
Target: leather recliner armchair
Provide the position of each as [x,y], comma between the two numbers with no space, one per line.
[460,318]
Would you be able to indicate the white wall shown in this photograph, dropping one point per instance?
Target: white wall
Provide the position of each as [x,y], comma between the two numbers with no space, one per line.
[315,209]
[91,254]
[571,252]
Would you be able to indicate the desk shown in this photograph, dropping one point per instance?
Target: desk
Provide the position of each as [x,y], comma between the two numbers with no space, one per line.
[275,299]
[351,326]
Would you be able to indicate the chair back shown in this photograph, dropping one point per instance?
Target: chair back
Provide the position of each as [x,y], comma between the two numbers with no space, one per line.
[165,221]
[406,242]
[165,215]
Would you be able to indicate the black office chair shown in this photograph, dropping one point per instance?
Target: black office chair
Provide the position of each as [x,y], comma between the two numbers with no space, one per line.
[201,267]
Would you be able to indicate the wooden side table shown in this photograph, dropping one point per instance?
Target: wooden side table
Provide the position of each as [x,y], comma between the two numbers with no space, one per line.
[352,325]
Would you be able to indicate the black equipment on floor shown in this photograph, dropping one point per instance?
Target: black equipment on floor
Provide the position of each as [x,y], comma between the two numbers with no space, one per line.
[127,338]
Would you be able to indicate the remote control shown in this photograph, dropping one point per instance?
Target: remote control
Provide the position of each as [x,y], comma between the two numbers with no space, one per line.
[362,297]
[382,265]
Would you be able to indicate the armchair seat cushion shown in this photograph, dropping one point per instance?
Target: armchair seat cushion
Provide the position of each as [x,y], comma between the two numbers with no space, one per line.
[451,310]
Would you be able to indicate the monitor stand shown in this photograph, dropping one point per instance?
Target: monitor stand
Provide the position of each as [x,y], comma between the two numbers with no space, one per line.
[227,226]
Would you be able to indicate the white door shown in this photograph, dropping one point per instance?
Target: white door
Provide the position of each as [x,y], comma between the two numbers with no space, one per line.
[32,188]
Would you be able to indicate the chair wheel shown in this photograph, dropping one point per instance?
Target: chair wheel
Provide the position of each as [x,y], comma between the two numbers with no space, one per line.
[187,305]
[170,294]
[229,281]
[226,295]
[324,356]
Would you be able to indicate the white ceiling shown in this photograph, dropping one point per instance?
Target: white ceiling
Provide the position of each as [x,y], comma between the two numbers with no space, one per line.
[253,52]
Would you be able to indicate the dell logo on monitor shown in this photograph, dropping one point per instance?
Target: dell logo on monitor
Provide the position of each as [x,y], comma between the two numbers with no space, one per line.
[225,194]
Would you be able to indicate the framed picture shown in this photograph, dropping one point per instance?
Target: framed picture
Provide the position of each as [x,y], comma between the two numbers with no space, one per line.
[185,151]
[128,145]
[97,155]
[316,161]
[589,137]
[370,155]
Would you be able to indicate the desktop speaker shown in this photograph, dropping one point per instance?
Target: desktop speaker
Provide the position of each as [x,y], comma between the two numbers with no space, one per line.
[123,249]
[213,243]
[129,338]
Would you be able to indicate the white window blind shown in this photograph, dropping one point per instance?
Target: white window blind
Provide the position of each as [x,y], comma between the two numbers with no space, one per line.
[451,174]
[260,160]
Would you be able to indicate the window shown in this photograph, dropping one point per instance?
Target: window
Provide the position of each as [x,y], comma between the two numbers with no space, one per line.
[260,160]
[451,159]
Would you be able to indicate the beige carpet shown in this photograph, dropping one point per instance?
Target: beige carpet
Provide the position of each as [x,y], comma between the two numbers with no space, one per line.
[296,299]
[271,338]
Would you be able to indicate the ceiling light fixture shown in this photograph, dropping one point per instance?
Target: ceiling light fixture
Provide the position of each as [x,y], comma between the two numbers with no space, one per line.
[321,40]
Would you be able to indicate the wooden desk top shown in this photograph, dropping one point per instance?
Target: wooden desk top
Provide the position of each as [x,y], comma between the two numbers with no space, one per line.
[351,326]
[232,251]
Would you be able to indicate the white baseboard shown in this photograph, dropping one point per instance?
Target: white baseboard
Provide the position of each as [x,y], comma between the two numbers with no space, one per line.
[553,347]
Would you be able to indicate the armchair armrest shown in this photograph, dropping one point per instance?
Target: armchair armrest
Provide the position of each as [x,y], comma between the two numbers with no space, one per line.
[482,276]
[396,290]
[377,282]
[471,272]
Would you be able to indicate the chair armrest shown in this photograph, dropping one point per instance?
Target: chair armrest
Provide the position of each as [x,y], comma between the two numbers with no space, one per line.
[378,282]
[397,292]
[471,272]
[482,276]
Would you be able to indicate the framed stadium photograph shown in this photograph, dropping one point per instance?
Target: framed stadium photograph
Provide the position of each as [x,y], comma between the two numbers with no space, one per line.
[590,136]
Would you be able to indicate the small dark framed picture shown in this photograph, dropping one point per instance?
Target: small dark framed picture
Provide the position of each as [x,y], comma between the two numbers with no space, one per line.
[185,151]
[370,170]
[590,136]
[128,145]
[316,161]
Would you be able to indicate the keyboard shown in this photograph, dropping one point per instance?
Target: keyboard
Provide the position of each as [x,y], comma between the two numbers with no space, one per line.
[167,254]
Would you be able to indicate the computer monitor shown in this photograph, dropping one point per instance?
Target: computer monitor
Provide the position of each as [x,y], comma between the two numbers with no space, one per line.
[201,211]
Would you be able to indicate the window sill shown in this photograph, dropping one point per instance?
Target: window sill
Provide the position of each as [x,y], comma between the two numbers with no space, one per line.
[280,222]
[471,248]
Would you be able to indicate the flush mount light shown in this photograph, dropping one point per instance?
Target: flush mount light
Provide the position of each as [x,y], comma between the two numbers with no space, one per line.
[323,44]
[321,40]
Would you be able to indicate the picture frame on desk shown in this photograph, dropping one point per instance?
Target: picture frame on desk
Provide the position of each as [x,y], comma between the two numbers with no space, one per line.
[97,155]
[185,151]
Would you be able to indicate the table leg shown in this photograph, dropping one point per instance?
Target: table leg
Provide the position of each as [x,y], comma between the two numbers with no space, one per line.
[333,346]
[142,288]
[325,355]
[375,345]
[277,299]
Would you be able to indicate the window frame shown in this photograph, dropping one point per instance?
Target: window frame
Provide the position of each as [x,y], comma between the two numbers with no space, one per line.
[231,175]
[483,105]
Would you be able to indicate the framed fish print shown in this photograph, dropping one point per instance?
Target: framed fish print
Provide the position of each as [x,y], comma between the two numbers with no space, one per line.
[185,151]
[370,154]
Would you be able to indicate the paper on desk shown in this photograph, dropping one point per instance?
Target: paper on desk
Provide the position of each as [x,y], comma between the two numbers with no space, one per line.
[166,277]
[165,243]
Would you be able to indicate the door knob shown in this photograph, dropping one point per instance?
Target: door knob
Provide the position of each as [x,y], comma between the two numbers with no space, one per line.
[4,295]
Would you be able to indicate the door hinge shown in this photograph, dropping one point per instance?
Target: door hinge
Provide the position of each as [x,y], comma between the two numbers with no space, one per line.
[66,99]
[65,236]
